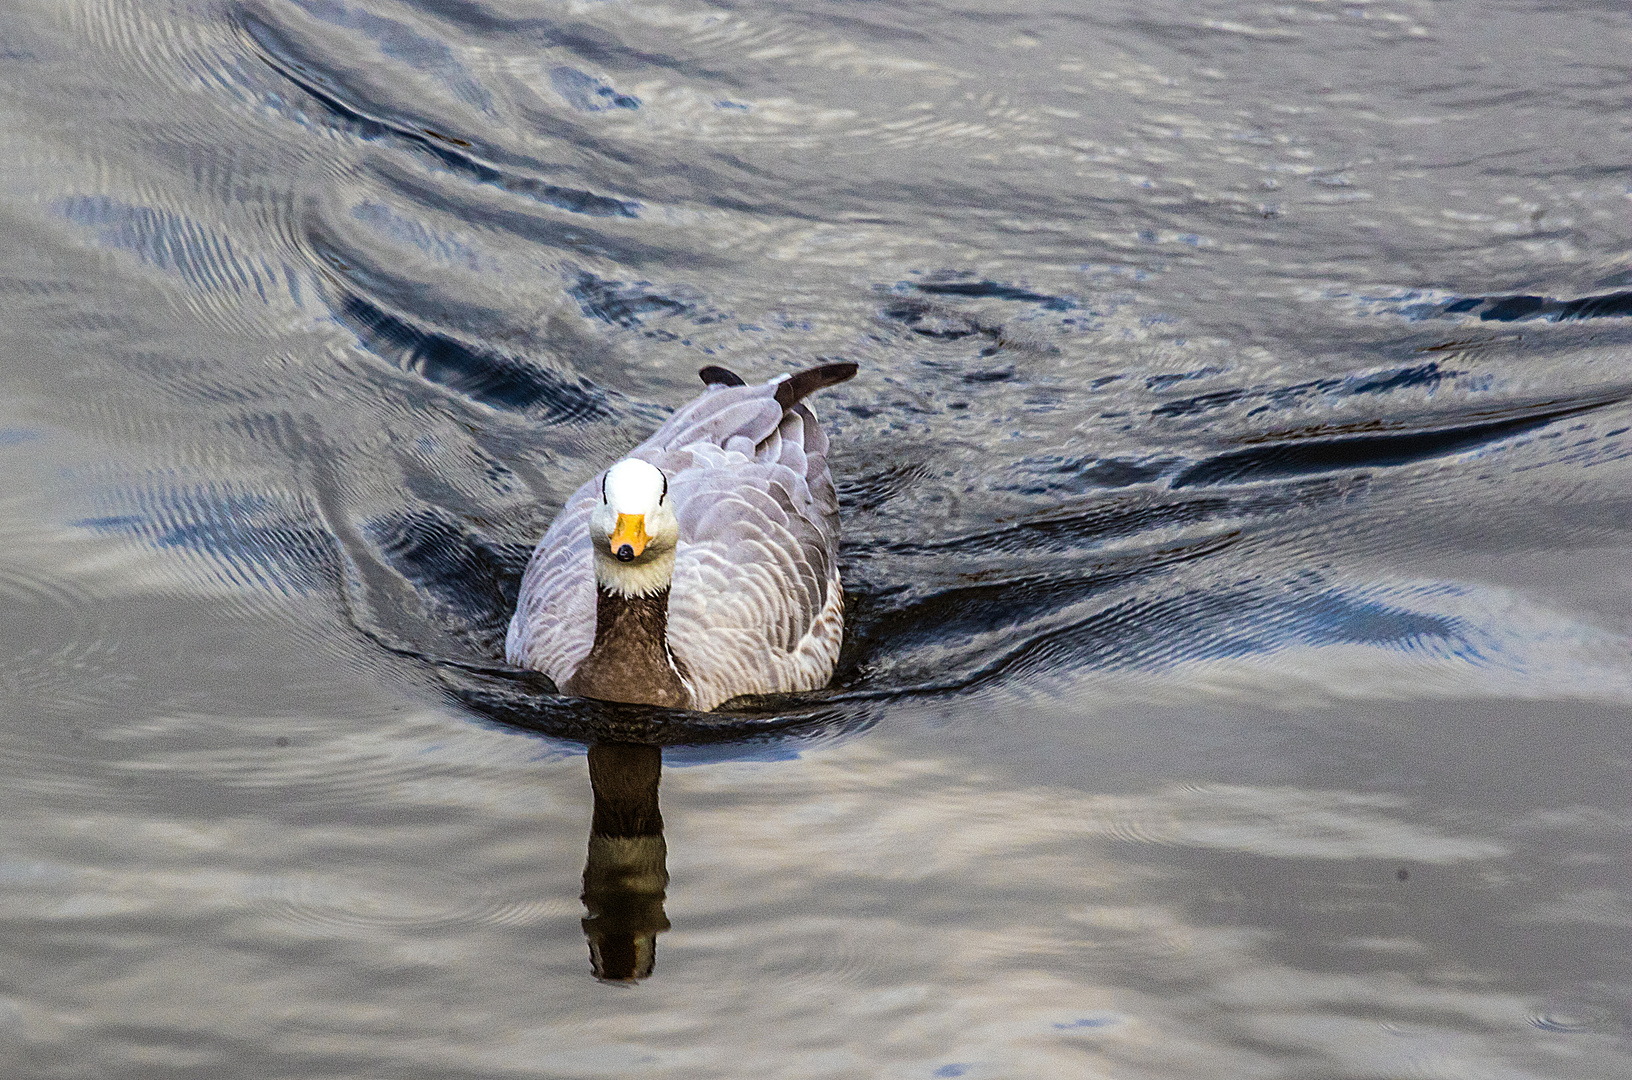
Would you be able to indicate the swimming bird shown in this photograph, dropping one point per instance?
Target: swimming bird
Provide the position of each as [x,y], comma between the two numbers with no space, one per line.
[701,566]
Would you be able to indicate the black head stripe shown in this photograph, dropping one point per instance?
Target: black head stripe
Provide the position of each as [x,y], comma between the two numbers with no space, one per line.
[665,494]
[603,485]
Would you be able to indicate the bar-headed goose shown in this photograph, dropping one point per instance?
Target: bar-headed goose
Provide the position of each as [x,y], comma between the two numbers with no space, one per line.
[700,567]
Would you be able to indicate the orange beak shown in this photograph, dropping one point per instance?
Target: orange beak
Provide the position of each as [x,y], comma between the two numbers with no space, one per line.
[629,537]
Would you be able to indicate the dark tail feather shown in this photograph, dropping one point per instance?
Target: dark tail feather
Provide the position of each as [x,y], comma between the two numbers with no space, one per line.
[719,376]
[790,391]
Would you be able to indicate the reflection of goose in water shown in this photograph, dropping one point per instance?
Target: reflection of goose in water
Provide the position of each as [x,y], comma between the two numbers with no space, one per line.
[700,567]
[627,871]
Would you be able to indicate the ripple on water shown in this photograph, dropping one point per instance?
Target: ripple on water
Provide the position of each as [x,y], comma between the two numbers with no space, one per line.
[220,275]
[421,125]
[254,542]
[1584,1010]
[427,901]
[58,643]
[819,960]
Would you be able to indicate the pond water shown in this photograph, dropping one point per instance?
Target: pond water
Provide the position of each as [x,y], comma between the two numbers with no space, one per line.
[1237,502]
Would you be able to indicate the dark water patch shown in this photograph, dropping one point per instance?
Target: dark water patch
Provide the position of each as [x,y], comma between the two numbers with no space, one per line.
[476,372]
[1469,345]
[587,93]
[395,585]
[882,632]
[934,321]
[1149,632]
[466,582]
[202,256]
[1500,309]
[1201,403]
[472,15]
[1615,305]
[1162,382]
[330,91]
[1114,472]
[257,538]
[871,490]
[996,291]
[354,269]
[623,305]
[400,41]
[1305,455]
[1608,306]
[591,43]
[1068,533]
[1058,474]
[1425,376]
[550,232]
[939,322]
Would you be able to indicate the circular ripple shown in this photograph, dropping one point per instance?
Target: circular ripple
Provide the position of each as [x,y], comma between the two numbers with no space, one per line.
[55,644]
[1582,1015]
[1561,1022]
[428,902]
[823,959]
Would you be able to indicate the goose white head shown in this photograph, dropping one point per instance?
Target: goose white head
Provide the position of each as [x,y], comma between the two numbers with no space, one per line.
[634,530]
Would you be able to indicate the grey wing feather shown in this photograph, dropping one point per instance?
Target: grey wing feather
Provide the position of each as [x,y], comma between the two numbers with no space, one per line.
[553,628]
[756,605]
[720,413]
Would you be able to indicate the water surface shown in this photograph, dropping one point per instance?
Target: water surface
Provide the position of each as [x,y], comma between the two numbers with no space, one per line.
[1236,499]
